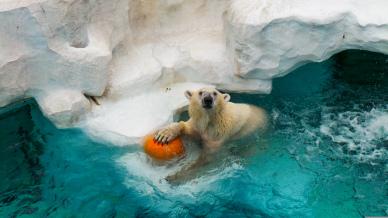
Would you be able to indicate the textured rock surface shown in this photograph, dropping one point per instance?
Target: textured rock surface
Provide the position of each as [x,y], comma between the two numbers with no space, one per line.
[175,42]
[63,107]
[268,39]
[50,45]
[127,51]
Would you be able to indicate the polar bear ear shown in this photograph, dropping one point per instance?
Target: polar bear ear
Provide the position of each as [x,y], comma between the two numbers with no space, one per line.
[226,97]
[188,94]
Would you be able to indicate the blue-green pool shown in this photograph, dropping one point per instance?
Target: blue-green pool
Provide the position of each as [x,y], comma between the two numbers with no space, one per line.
[326,155]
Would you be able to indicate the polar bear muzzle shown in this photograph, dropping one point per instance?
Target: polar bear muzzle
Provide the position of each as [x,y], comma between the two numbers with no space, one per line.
[207,100]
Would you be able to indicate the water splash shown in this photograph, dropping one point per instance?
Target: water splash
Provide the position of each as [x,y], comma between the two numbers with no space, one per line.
[358,134]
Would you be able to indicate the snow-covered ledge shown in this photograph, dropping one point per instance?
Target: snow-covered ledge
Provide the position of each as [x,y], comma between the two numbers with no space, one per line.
[137,57]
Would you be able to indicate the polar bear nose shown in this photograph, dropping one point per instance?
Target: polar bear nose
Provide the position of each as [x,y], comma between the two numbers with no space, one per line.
[207,101]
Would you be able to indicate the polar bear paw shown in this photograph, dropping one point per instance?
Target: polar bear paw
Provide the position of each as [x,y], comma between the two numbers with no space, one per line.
[168,133]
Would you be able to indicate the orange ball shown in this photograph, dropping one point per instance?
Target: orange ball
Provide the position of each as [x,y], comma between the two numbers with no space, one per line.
[160,151]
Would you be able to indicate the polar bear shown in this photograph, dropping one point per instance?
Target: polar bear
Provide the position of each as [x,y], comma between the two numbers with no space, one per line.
[214,120]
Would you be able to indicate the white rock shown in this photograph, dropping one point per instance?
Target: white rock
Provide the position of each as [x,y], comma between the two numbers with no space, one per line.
[51,44]
[63,107]
[268,39]
[177,41]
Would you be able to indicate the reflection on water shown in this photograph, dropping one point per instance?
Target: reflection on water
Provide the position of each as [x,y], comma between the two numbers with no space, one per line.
[326,156]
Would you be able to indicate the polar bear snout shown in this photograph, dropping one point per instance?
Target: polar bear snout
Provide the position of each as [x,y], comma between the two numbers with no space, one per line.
[207,101]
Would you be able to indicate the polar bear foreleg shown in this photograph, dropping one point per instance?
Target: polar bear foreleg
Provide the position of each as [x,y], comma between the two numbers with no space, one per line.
[174,130]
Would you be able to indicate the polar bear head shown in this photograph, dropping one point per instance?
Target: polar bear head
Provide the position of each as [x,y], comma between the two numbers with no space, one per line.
[207,98]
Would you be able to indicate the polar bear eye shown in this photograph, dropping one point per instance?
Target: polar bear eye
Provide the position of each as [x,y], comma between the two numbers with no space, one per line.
[214,93]
[200,93]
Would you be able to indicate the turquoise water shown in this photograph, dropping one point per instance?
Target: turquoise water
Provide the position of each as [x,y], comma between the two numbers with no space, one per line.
[325,156]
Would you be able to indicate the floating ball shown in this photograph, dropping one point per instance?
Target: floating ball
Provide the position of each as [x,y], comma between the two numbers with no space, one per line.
[161,151]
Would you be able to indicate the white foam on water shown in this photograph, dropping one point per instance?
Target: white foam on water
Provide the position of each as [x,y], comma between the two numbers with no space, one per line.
[360,131]
[140,168]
